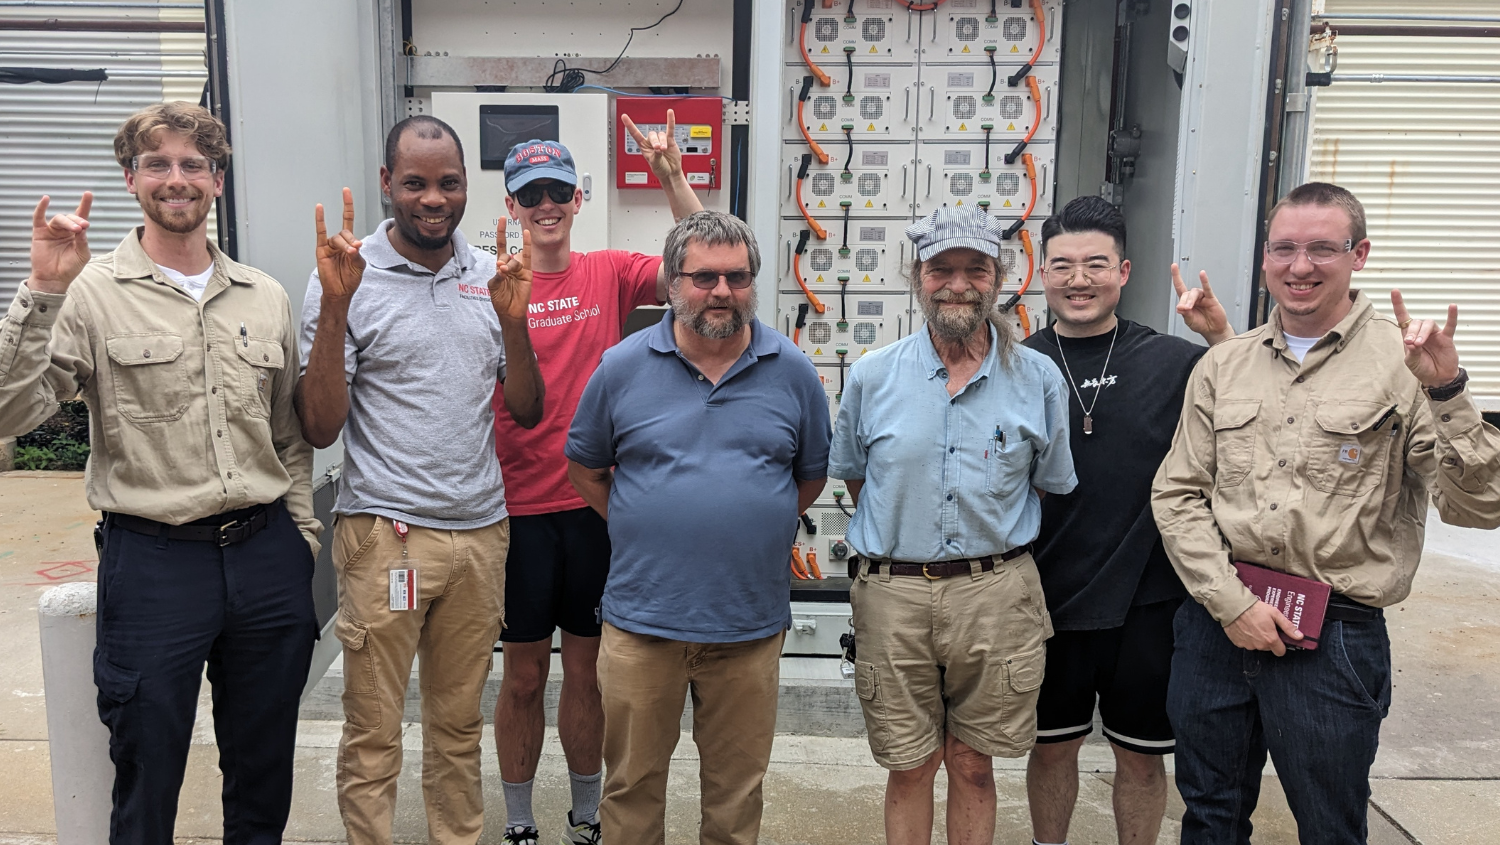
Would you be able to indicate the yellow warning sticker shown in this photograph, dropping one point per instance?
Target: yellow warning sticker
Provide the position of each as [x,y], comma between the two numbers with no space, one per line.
[825,48]
[872,49]
[869,204]
[822,127]
[965,49]
[960,202]
[963,127]
[819,279]
[822,204]
[701,131]
[1010,127]
[818,351]
[871,129]
[867,277]
[1013,49]
[863,351]
[1007,204]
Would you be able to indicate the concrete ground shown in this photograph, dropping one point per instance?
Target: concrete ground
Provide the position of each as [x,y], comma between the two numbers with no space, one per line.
[1437,778]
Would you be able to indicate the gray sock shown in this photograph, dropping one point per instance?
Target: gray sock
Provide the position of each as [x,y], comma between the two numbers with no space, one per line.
[518,804]
[586,790]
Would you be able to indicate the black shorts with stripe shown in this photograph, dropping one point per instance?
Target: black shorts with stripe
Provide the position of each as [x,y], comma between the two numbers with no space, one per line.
[1126,669]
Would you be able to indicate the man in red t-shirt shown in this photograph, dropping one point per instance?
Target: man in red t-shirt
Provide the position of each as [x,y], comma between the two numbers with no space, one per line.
[559,552]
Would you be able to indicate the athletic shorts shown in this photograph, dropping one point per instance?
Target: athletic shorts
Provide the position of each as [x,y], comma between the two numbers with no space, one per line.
[1126,668]
[554,575]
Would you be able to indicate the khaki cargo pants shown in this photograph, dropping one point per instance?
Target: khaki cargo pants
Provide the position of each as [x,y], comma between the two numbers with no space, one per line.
[460,601]
[962,655]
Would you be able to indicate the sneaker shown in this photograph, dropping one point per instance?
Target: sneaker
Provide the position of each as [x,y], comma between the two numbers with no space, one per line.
[520,835]
[581,834]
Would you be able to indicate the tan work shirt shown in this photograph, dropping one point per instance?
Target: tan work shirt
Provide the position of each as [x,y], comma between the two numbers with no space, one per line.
[190,404]
[1321,469]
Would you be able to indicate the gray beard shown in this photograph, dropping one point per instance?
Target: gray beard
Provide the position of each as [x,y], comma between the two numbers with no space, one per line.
[698,322]
[960,326]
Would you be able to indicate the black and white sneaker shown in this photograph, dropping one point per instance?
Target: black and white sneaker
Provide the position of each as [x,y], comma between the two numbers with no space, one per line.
[586,833]
[520,835]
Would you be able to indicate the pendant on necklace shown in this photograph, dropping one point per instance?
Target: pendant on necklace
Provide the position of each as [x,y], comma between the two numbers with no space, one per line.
[1088,424]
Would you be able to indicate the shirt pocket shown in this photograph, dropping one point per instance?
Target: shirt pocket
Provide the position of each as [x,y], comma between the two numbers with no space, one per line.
[261,361]
[1346,454]
[1007,468]
[1234,440]
[149,376]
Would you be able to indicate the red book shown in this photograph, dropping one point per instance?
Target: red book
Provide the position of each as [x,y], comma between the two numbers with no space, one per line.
[1302,600]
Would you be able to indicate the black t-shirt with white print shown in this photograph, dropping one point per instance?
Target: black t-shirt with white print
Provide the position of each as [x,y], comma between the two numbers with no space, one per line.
[1099,552]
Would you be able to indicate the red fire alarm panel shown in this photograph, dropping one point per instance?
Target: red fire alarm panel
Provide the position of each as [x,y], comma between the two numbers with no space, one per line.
[700,130]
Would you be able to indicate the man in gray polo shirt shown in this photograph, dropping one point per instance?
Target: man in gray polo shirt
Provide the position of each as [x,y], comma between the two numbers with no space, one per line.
[406,334]
[717,429]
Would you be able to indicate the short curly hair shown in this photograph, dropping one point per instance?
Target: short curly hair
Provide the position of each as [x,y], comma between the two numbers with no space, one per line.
[141,132]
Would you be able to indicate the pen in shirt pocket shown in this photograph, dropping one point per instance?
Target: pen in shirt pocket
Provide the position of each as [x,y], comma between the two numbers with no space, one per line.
[1387,415]
[999,439]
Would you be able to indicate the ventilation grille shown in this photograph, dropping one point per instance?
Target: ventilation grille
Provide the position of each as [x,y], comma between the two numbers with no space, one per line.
[822,184]
[825,108]
[966,29]
[864,333]
[819,331]
[821,259]
[1014,29]
[866,260]
[826,29]
[1010,107]
[1007,184]
[868,184]
[833,522]
[961,184]
[871,107]
[873,29]
[1007,261]
[964,106]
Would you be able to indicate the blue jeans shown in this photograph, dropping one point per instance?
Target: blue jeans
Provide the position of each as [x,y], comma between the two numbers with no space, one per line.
[167,608]
[1317,712]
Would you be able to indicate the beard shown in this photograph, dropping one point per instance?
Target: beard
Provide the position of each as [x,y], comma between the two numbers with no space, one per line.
[954,324]
[179,223]
[697,319]
[412,235]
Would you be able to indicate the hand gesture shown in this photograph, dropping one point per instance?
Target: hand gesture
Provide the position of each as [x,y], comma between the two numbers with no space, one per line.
[510,289]
[659,148]
[1256,629]
[59,247]
[340,266]
[1200,309]
[1430,353]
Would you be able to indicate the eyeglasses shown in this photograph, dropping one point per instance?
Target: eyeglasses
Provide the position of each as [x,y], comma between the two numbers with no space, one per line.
[530,194]
[160,167]
[1318,252]
[709,279]
[1095,273]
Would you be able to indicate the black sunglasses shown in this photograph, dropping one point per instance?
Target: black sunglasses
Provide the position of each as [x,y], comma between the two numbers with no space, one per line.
[530,195]
[709,279]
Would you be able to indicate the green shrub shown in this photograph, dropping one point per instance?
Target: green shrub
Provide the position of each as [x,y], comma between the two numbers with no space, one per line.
[59,443]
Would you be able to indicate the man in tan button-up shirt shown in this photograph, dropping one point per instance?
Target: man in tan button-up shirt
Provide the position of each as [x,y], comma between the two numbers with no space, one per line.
[187,361]
[1307,446]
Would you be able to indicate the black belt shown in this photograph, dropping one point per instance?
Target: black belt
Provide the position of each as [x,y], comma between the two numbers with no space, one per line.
[1345,609]
[224,529]
[947,568]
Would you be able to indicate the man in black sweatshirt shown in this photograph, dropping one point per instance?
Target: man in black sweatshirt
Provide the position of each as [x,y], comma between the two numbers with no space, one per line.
[1109,586]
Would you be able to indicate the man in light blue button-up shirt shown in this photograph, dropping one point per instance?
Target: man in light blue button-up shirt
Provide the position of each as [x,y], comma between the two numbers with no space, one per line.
[947,440]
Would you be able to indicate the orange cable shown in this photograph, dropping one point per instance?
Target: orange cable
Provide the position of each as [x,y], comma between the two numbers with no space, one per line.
[1041,30]
[1030,261]
[812,565]
[823,78]
[817,150]
[797,571]
[817,305]
[1025,320]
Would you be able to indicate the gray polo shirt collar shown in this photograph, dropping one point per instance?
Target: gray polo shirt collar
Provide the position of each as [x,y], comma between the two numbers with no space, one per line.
[378,252]
[933,364]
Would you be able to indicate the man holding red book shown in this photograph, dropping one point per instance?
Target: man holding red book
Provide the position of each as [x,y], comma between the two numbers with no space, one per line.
[1307,448]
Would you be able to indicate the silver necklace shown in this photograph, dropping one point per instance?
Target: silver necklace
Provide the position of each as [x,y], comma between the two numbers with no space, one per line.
[1088,413]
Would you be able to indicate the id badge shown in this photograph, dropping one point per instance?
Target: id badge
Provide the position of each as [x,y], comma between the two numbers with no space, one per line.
[404,586]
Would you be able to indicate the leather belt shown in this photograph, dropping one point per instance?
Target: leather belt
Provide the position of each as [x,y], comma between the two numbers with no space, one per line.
[223,529]
[1344,609]
[947,568]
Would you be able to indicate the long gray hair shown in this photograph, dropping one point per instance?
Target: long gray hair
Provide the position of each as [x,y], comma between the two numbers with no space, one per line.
[710,228]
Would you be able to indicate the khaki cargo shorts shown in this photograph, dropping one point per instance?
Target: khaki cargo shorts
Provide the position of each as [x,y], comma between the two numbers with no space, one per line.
[962,654]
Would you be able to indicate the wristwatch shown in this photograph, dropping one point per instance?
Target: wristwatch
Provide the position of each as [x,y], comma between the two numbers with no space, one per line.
[1443,393]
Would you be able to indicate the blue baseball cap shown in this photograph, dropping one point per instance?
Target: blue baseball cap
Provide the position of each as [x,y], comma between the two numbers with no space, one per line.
[947,228]
[538,159]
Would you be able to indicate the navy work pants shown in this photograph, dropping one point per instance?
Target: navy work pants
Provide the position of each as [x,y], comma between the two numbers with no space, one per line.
[167,607]
[1317,712]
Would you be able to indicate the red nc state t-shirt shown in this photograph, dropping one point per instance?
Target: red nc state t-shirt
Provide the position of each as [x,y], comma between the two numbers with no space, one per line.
[575,316]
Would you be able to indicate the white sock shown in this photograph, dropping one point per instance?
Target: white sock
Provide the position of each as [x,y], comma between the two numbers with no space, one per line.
[1035,842]
[586,791]
[518,803]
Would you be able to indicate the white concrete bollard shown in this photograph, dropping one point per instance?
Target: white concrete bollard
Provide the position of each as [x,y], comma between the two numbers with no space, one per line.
[82,774]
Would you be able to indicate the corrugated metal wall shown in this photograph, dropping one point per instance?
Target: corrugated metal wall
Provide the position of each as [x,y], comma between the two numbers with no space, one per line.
[1424,158]
[58,139]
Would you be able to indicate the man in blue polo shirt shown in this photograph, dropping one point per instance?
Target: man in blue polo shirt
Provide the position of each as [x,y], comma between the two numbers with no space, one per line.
[717,431]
